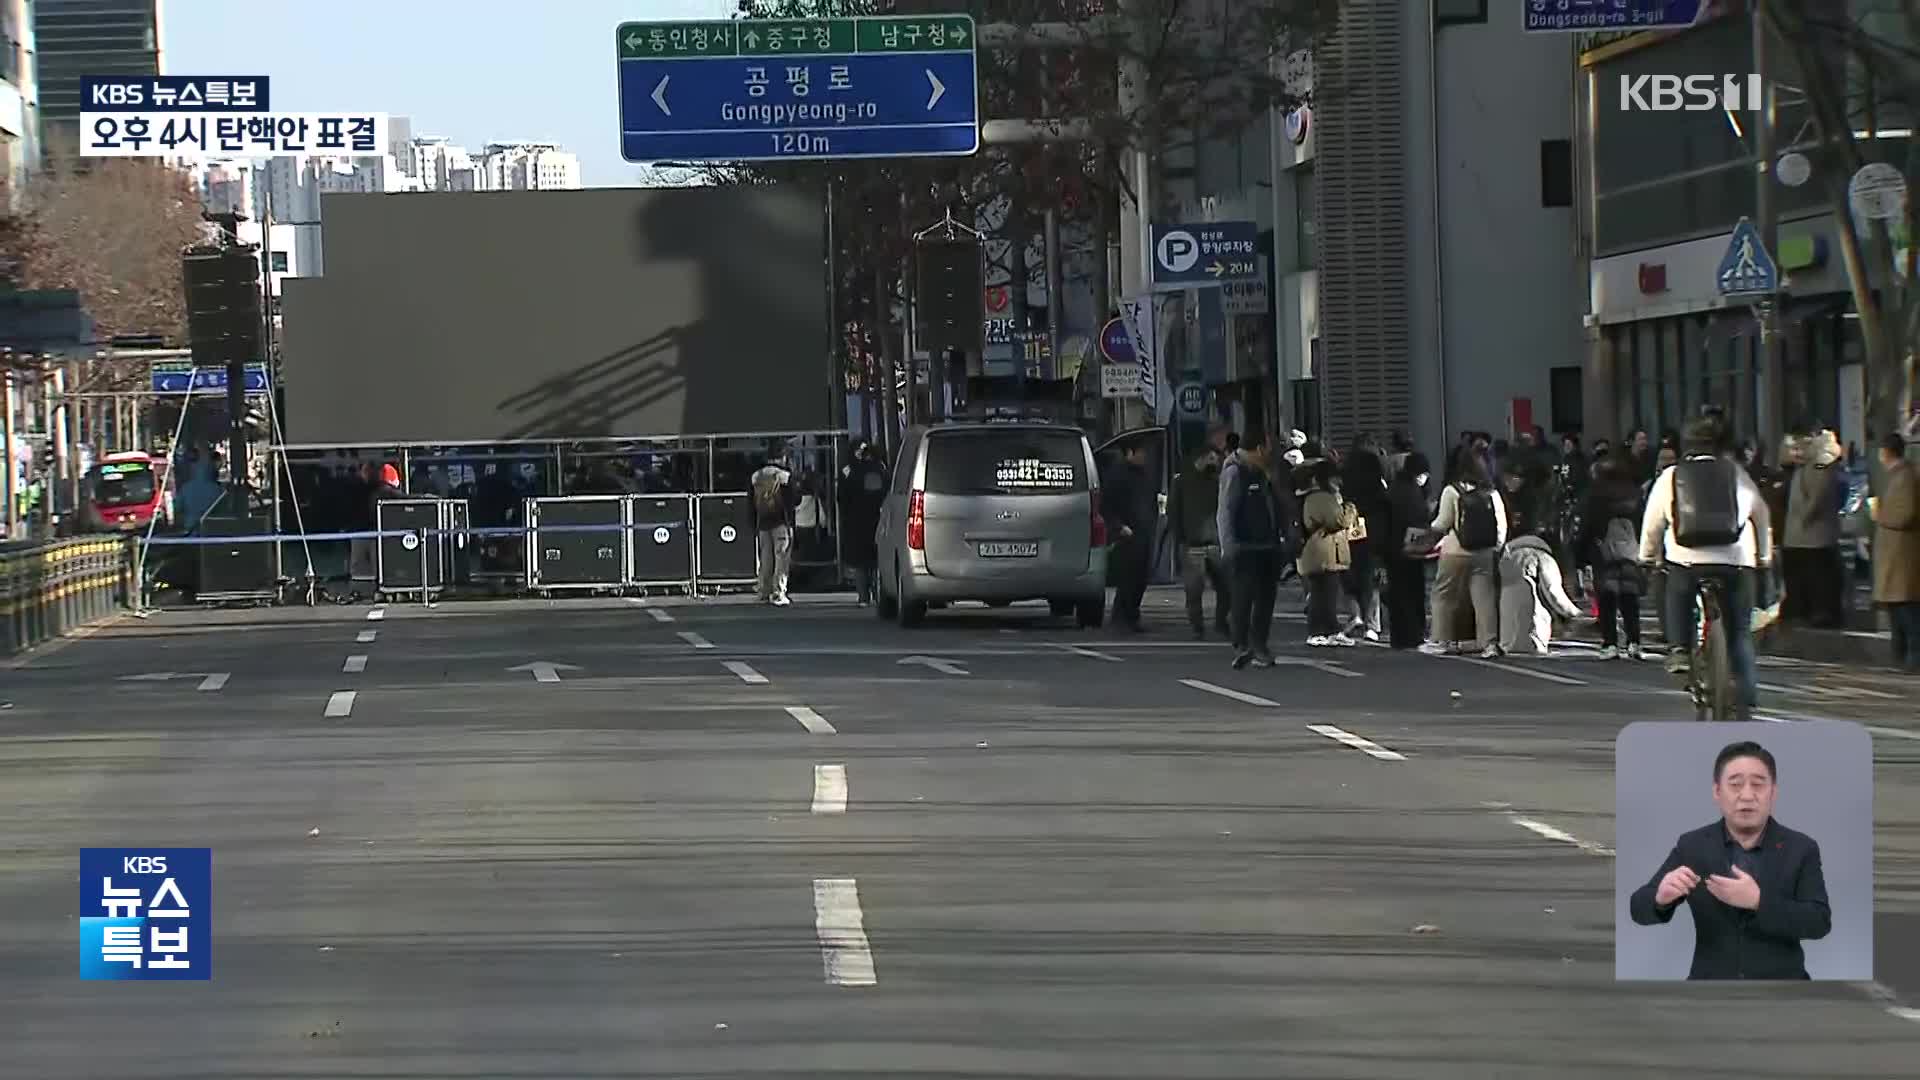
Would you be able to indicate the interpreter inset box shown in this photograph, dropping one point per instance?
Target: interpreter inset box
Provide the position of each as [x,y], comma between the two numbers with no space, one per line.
[1743,851]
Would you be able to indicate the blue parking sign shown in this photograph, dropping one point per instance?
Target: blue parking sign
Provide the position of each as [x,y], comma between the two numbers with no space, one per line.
[146,913]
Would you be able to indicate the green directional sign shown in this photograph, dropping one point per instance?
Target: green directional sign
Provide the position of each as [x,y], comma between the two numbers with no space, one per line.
[796,37]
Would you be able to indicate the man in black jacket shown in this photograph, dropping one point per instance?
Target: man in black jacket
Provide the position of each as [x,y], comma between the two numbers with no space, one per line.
[1196,540]
[1132,509]
[1753,886]
[1256,538]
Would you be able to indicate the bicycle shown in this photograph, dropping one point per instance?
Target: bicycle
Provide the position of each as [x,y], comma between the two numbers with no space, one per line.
[1710,666]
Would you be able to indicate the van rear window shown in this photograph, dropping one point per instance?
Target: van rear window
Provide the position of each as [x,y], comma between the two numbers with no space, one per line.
[1011,462]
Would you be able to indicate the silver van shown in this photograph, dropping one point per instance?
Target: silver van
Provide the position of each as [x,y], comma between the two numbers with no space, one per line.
[993,512]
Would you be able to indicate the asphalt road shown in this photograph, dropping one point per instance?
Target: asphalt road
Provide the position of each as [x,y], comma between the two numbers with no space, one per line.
[724,840]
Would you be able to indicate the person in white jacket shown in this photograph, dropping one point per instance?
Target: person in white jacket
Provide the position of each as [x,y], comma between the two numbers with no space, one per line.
[1733,564]
[1469,557]
[1532,594]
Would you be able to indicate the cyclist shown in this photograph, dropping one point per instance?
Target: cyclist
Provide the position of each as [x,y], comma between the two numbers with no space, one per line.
[1706,519]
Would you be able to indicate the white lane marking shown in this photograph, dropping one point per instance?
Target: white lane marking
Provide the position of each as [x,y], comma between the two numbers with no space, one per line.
[695,640]
[829,789]
[1348,738]
[1882,993]
[1332,667]
[366,637]
[341,703]
[1091,654]
[812,721]
[1246,699]
[214,681]
[746,672]
[659,616]
[1543,676]
[376,614]
[354,665]
[1542,829]
[841,928]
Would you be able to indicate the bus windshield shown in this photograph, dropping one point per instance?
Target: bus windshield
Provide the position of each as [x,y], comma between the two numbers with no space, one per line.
[124,484]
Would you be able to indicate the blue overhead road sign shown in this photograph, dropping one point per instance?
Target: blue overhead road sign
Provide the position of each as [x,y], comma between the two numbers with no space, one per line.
[1205,253]
[800,89]
[1582,16]
[1747,268]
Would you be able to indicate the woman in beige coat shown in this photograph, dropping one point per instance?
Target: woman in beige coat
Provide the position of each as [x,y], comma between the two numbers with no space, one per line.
[1896,550]
[1326,519]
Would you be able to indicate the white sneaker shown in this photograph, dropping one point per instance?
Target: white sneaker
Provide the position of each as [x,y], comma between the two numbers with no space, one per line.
[1373,636]
[1434,648]
[1491,652]
[781,601]
[1342,641]
[1634,653]
[1319,641]
[1609,653]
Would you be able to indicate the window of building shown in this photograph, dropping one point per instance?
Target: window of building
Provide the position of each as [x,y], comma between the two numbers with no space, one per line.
[1566,391]
[1449,12]
[1556,173]
[279,262]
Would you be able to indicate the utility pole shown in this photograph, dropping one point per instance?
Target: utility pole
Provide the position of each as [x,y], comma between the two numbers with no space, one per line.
[1772,420]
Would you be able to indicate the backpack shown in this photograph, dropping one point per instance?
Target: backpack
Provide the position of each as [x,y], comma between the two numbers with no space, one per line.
[1620,543]
[769,500]
[1254,522]
[1706,503]
[1478,526]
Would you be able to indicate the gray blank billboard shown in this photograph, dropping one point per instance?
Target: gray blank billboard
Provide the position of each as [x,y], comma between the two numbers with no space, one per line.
[616,313]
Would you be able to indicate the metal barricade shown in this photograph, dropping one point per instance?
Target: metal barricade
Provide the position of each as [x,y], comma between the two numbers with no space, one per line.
[660,542]
[577,542]
[48,590]
[726,549]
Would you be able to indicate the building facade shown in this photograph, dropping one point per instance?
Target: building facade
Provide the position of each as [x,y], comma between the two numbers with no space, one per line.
[73,38]
[1661,195]
[19,96]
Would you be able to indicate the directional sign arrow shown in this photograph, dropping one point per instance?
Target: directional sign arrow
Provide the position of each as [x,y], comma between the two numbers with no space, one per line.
[944,667]
[939,89]
[1217,269]
[545,670]
[209,680]
[752,38]
[660,94]
[634,41]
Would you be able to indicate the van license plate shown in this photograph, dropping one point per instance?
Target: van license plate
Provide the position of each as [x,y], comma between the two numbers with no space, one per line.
[1014,549]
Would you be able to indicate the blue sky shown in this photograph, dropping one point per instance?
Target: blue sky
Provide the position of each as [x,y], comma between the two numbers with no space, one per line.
[476,71]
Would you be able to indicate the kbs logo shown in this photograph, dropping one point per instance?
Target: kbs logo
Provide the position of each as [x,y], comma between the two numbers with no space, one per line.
[1690,93]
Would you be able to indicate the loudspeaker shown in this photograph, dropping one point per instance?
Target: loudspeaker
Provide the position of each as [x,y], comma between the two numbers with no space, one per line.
[728,546]
[243,569]
[591,552]
[661,548]
[223,306]
[950,299]
[398,563]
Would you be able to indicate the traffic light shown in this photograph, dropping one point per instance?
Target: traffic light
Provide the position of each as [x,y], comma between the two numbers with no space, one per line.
[223,306]
[950,297]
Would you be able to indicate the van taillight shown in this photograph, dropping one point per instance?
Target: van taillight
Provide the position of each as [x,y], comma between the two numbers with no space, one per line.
[1097,524]
[917,520]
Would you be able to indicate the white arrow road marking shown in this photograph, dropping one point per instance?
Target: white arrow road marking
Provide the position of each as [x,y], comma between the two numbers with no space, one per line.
[214,681]
[660,95]
[812,721]
[829,789]
[354,665]
[544,670]
[841,928]
[746,672]
[939,88]
[939,664]
[340,704]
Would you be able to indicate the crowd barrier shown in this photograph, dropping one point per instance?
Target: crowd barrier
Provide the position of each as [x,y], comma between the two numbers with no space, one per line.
[579,543]
[48,590]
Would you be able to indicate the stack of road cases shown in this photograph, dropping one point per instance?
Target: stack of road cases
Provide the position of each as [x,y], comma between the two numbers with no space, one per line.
[417,558]
[726,548]
[577,542]
[660,542]
[246,569]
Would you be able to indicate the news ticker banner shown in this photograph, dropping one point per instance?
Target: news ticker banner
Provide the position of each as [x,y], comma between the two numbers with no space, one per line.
[213,116]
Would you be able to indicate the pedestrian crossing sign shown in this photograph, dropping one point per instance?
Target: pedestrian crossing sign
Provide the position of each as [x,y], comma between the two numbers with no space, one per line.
[1747,268]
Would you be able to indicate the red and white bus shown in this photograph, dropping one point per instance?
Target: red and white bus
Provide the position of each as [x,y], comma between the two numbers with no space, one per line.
[124,491]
